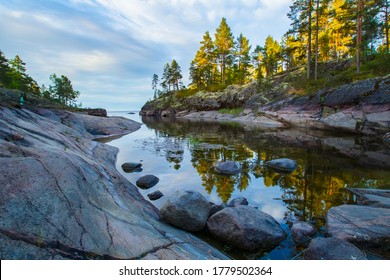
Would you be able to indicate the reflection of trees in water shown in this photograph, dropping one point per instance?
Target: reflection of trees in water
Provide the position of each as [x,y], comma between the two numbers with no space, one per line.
[204,159]
[316,185]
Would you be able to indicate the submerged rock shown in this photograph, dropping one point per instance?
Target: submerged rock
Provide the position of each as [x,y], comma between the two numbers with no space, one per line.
[302,232]
[284,165]
[187,210]
[245,227]
[129,167]
[147,181]
[227,168]
[332,249]
[367,225]
[238,201]
[155,195]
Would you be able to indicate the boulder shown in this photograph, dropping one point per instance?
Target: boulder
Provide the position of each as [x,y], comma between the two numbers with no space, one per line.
[215,209]
[155,195]
[245,227]
[238,201]
[227,168]
[302,232]
[187,210]
[332,249]
[130,167]
[360,224]
[98,112]
[147,181]
[372,197]
[341,120]
[283,165]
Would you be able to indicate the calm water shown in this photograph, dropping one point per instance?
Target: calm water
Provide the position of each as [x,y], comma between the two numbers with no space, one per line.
[182,154]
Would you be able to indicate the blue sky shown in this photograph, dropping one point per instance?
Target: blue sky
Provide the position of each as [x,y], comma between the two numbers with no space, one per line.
[110,48]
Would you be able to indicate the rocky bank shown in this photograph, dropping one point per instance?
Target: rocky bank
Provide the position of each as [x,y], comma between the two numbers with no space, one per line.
[362,107]
[61,196]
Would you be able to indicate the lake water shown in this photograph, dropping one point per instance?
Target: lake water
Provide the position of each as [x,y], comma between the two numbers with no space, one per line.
[182,155]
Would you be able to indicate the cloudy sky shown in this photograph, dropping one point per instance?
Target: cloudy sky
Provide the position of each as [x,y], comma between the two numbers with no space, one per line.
[110,48]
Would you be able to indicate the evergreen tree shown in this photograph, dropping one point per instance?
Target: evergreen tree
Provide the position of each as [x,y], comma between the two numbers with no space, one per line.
[202,67]
[176,76]
[224,44]
[17,73]
[155,84]
[242,49]
[271,56]
[4,69]
[63,90]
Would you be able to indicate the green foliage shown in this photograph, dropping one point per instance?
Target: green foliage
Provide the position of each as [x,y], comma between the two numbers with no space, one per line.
[63,91]
[235,111]
[184,93]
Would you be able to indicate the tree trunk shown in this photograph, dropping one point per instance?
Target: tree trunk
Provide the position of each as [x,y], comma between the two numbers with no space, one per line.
[359,34]
[309,40]
[316,48]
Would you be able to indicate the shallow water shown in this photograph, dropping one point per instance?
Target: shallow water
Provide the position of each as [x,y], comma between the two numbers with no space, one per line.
[182,154]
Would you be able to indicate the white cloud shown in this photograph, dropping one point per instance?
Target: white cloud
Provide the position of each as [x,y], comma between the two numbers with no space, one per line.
[117,45]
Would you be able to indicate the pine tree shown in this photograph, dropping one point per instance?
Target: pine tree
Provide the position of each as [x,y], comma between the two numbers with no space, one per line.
[17,73]
[242,49]
[224,44]
[176,76]
[272,55]
[63,89]
[155,84]
[4,69]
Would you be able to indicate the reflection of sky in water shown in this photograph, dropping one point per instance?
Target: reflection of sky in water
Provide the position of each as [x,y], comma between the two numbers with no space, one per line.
[144,146]
[182,155]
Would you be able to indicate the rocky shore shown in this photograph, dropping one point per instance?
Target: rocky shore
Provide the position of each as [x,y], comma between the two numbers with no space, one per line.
[61,196]
[362,107]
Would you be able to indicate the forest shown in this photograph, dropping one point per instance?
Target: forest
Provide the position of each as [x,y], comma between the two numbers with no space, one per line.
[321,31]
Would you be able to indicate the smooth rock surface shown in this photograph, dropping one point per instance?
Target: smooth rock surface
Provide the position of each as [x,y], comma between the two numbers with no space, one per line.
[302,232]
[187,210]
[227,168]
[332,249]
[62,197]
[372,197]
[147,181]
[284,165]
[360,224]
[245,227]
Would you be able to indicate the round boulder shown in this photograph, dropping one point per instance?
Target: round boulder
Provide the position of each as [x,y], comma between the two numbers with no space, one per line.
[227,168]
[147,181]
[155,195]
[187,210]
[302,232]
[245,227]
[283,165]
[332,249]
[238,201]
[129,167]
